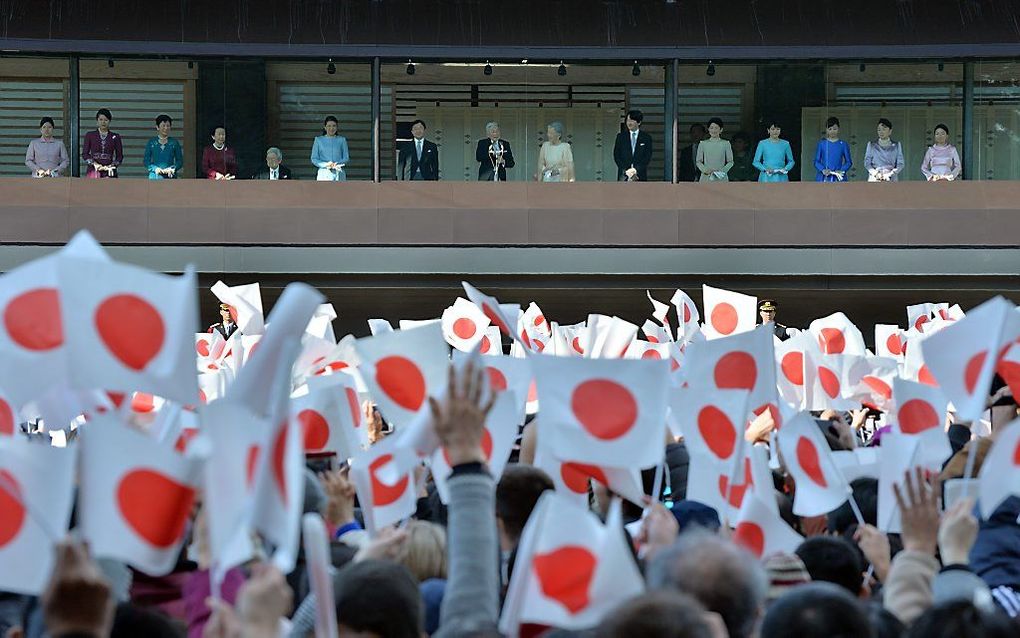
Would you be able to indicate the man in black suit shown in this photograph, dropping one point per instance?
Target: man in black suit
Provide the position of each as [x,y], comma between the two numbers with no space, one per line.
[633,150]
[493,156]
[421,154]
[273,169]
[686,170]
[226,327]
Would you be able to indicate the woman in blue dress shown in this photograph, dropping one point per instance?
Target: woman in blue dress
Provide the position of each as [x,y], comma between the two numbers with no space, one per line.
[773,157]
[329,152]
[832,156]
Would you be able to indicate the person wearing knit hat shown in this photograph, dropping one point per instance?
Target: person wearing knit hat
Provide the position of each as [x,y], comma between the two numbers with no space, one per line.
[785,571]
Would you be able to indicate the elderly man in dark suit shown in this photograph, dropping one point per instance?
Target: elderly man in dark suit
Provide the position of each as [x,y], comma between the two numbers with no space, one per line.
[493,155]
[274,168]
[419,158]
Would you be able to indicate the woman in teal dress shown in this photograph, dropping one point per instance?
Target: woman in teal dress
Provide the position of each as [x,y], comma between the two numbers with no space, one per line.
[774,157]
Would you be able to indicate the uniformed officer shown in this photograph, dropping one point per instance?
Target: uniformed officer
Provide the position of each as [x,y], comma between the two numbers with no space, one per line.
[226,327]
[767,311]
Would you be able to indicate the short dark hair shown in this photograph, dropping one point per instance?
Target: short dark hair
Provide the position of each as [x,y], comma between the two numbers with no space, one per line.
[330,118]
[715,120]
[834,560]
[865,492]
[770,123]
[668,614]
[816,610]
[943,127]
[961,618]
[381,597]
[45,120]
[885,122]
[832,121]
[884,624]
[636,115]
[163,117]
[517,493]
[132,619]
[212,130]
[105,112]
[422,122]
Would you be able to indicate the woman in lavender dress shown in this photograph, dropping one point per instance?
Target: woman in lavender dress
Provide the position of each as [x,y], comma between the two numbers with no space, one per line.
[941,161]
[102,149]
[884,157]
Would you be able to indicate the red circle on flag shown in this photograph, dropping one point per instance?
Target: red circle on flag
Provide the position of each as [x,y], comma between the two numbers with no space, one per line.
[792,366]
[651,354]
[606,409]
[352,403]
[832,341]
[539,320]
[155,506]
[497,380]
[717,430]
[464,328]
[973,370]
[925,376]
[724,318]
[32,319]
[314,430]
[687,313]
[829,381]
[750,536]
[736,370]
[279,461]
[136,347]
[6,419]
[12,512]
[575,476]
[142,402]
[486,344]
[807,458]
[383,494]
[894,344]
[565,575]
[251,464]
[184,438]
[920,321]
[917,415]
[202,347]
[532,392]
[878,386]
[576,345]
[402,381]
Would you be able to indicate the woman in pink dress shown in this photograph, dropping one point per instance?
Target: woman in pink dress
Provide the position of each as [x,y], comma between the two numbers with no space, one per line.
[941,161]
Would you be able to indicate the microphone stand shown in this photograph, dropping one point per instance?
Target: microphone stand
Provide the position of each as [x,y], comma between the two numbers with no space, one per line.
[496,156]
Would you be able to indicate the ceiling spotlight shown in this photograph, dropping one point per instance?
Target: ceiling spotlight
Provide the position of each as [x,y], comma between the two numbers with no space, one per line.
[862,67]
[635,70]
[410,68]
[109,62]
[710,71]
[488,68]
[562,70]
[331,68]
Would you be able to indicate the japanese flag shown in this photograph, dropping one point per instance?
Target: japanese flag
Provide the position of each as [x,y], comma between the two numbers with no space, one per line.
[571,568]
[36,490]
[687,313]
[920,411]
[403,368]
[1008,367]
[792,358]
[962,356]
[9,418]
[505,374]
[570,341]
[875,389]
[833,377]
[379,326]
[320,572]
[496,314]
[279,491]
[464,325]
[742,362]
[129,328]
[918,315]
[384,479]
[709,481]
[660,311]
[728,313]
[352,436]
[712,422]
[245,303]
[889,341]
[639,349]
[897,454]
[762,531]
[655,333]
[609,337]
[210,348]
[320,421]
[533,320]
[135,496]
[498,437]
[836,334]
[492,343]
[572,478]
[1000,472]
[821,487]
[610,412]
[914,366]
[321,323]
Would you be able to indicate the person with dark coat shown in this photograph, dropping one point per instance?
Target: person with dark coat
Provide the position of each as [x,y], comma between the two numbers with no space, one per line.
[226,327]
[419,158]
[493,155]
[274,168]
[767,310]
[633,150]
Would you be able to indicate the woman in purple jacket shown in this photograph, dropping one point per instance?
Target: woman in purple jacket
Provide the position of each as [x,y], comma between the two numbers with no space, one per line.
[102,150]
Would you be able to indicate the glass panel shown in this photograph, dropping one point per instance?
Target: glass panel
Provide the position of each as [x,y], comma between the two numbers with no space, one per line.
[31,88]
[996,120]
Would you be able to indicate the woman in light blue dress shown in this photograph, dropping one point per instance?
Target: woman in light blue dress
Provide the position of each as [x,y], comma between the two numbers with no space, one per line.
[774,157]
[329,152]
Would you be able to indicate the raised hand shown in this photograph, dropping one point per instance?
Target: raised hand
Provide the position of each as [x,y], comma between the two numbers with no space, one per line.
[460,422]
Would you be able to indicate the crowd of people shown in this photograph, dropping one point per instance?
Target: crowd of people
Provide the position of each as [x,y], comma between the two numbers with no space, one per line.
[708,156]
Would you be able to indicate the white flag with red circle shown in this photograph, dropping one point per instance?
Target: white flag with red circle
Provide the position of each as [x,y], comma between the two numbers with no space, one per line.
[464,325]
[384,478]
[836,334]
[245,303]
[36,494]
[511,374]
[920,411]
[762,531]
[498,435]
[687,315]
[280,490]
[793,356]
[709,481]
[744,361]
[639,349]
[820,486]
[403,368]
[831,378]
[348,415]
[604,411]
[495,311]
[572,478]
[962,356]
[129,328]
[660,311]
[321,323]
[608,337]
[875,388]
[1008,367]
[890,341]
[897,454]
[320,421]
[9,418]
[135,496]
[571,569]
[654,333]
[210,348]
[712,422]
[727,312]
[570,341]
[918,315]
[534,321]
[1000,473]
